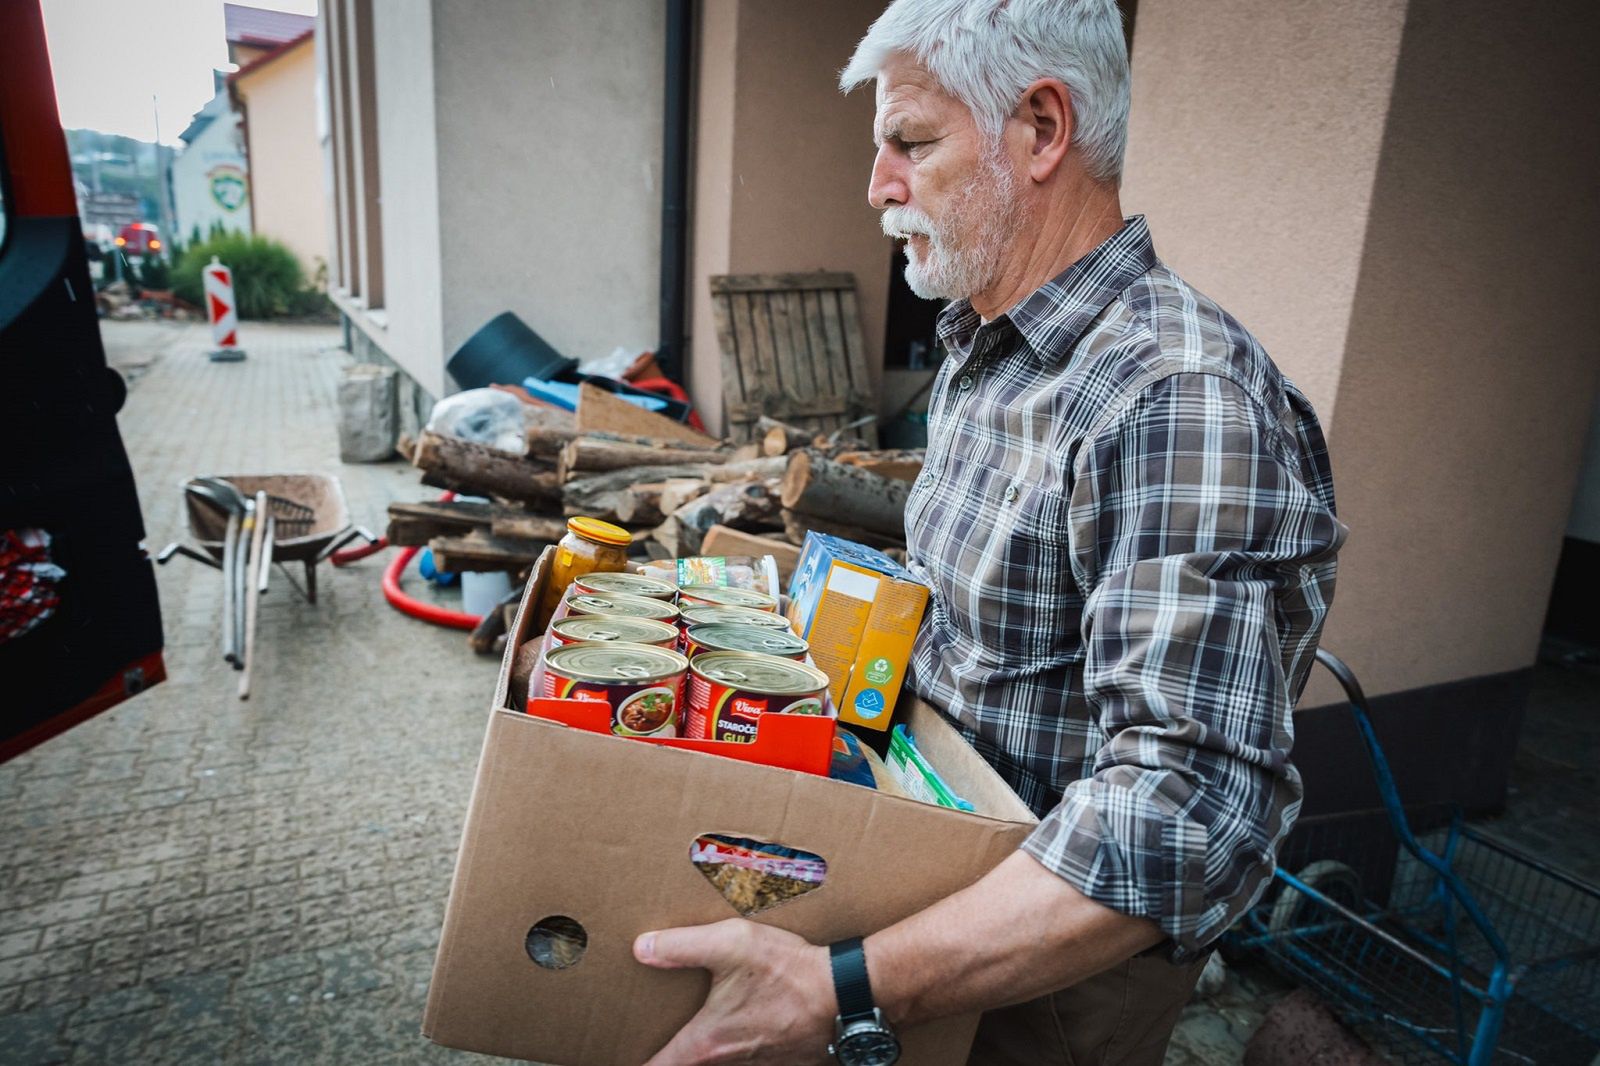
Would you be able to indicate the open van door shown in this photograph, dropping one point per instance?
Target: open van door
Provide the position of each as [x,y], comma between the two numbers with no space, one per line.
[63,469]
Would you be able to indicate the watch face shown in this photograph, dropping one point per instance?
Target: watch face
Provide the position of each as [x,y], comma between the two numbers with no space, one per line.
[869,1047]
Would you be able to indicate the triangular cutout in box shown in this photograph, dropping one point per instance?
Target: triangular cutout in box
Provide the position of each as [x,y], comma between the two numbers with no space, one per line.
[753,875]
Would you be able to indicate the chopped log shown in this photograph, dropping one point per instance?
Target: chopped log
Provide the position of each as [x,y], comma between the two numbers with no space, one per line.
[595,494]
[835,492]
[481,551]
[740,504]
[603,412]
[491,626]
[721,540]
[641,504]
[413,524]
[545,442]
[795,527]
[753,468]
[780,438]
[903,465]
[463,466]
[596,455]
[679,491]
[746,452]
[535,527]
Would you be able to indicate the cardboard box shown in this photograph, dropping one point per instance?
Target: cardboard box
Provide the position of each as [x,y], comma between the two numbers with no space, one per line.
[598,829]
[860,610]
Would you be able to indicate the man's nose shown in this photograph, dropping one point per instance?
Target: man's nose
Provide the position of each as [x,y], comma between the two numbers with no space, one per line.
[888,185]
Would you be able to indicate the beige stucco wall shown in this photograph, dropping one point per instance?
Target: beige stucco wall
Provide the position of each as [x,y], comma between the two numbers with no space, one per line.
[781,164]
[549,123]
[412,331]
[1252,147]
[285,158]
[1398,199]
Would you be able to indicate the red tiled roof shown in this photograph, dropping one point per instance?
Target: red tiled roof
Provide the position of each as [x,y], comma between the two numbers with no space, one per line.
[262,60]
[261,28]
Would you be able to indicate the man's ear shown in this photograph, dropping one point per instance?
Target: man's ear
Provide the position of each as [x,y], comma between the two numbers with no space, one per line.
[1046,113]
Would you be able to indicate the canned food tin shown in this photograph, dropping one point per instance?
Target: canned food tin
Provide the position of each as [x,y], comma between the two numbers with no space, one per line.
[628,606]
[698,614]
[735,636]
[642,683]
[608,584]
[614,627]
[730,690]
[726,596]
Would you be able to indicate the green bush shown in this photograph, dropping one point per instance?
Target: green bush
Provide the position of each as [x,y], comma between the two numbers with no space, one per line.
[267,279]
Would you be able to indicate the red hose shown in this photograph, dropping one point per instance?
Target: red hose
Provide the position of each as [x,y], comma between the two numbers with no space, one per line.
[428,612]
[350,555]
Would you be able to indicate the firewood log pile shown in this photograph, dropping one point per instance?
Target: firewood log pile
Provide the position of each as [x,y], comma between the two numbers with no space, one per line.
[668,484]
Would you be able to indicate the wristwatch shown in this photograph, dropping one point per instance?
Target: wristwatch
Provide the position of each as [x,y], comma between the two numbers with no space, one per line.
[860,1035]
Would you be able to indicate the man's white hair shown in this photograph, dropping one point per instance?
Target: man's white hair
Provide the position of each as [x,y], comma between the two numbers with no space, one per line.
[986,52]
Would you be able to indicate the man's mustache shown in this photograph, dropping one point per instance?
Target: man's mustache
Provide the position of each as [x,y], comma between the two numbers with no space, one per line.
[904,222]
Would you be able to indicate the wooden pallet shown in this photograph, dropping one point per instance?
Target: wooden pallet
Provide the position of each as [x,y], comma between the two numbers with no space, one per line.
[792,350]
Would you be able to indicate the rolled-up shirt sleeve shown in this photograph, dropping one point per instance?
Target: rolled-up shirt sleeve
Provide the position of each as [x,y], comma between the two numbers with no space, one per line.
[1200,549]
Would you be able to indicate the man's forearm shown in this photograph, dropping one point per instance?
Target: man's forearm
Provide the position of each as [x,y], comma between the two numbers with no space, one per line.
[1016,934]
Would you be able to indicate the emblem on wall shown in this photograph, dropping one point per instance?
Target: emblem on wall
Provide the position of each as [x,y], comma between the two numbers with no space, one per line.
[227,184]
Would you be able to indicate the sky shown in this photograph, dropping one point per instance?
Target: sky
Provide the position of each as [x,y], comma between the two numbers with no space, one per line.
[111,56]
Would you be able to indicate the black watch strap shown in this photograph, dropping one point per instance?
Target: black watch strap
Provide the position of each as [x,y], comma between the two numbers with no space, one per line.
[850,982]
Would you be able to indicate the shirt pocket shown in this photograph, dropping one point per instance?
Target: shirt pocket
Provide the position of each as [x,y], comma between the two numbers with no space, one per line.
[1002,569]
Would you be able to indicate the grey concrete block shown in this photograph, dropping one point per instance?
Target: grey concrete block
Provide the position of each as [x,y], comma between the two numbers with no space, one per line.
[368,414]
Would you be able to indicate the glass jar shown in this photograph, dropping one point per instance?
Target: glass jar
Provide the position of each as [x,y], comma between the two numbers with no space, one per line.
[590,546]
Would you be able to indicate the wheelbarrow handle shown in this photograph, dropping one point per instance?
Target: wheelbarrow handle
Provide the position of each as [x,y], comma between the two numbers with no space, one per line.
[183,549]
[345,538]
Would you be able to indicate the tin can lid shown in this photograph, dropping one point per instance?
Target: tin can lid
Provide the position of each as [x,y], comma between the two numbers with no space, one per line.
[633,606]
[759,673]
[615,662]
[628,584]
[737,636]
[599,532]
[615,627]
[710,613]
[728,596]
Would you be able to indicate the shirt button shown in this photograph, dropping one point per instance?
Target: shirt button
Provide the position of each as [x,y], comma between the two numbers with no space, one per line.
[965,382]
[1011,493]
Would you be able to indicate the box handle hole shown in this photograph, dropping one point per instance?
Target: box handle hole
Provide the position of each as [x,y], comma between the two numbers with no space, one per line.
[557,942]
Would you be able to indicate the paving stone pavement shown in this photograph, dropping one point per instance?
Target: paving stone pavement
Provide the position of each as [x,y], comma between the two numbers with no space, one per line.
[191,878]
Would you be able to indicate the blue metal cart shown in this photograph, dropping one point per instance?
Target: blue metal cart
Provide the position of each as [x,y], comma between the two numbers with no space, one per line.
[1441,944]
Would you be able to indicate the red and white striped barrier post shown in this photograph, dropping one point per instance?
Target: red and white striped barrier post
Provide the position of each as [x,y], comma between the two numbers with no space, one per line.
[223,312]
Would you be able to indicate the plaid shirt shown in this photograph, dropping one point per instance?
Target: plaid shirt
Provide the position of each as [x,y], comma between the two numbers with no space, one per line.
[1127,521]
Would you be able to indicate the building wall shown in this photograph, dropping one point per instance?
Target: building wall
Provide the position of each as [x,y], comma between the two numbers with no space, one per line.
[1398,199]
[1253,143]
[216,153]
[549,126]
[781,164]
[285,158]
[408,328]
[1584,522]
[1474,348]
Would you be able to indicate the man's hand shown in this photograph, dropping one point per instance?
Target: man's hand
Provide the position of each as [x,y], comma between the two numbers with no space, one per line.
[771,998]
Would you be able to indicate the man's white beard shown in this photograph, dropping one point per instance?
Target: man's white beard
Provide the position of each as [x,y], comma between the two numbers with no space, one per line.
[966,243]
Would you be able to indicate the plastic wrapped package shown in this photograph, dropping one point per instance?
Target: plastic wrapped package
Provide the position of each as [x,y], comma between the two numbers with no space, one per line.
[483,416]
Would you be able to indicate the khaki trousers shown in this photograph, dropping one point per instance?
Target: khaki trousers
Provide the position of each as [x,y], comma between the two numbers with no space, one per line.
[1122,1017]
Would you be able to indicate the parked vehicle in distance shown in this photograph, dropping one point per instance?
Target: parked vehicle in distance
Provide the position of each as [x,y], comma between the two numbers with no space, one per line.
[98,238]
[139,238]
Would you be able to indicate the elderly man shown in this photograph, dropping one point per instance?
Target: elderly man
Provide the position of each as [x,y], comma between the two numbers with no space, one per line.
[1126,518]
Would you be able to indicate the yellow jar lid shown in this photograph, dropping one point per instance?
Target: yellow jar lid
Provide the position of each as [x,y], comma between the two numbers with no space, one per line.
[600,532]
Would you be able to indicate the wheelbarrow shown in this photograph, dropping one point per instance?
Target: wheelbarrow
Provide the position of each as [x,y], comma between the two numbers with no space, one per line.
[255,520]
[329,527]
